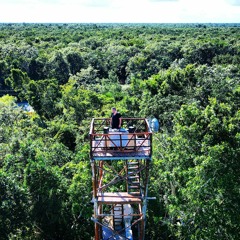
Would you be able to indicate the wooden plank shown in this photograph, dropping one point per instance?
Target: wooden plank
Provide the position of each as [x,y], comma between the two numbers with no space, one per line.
[143,152]
[115,194]
[111,200]
[120,197]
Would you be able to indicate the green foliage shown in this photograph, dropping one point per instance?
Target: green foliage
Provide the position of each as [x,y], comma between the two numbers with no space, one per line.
[199,172]
[14,207]
[75,61]
[59,68]
[7,101]
[43,96]
[86,76]
[81,208]
[48,196]
[18,79]
[3,73]
[185,75]
[79,103]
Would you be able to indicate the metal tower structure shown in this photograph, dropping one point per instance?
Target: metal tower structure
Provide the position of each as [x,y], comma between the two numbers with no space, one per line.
[120,162]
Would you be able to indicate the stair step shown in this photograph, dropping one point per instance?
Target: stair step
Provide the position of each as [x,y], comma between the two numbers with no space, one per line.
[132,163]
[117,209]
[134,182]
[133,167]
[133,187]
[134,193]
[117,220]
[132,177]
[119,215]
[119,223]
[132,173]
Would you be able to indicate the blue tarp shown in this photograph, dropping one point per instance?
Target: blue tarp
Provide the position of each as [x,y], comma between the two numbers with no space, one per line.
[108,234]
[25,106]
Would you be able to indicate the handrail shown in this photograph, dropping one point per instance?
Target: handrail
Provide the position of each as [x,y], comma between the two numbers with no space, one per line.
[91,126]
[120,143]
[122,118]
[149,128]
[141,124]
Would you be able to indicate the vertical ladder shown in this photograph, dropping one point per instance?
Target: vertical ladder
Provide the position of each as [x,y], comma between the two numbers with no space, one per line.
[133,183]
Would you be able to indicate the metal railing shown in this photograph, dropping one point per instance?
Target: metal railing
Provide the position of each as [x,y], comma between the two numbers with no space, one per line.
[121,142]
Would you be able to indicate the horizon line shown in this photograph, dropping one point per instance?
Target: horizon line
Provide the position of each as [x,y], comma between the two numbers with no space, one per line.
[119,22]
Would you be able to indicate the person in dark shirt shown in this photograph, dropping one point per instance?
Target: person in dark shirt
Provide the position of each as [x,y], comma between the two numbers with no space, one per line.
[116,119]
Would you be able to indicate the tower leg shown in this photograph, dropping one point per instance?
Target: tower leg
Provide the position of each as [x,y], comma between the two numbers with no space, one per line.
[97,232]
[141,235]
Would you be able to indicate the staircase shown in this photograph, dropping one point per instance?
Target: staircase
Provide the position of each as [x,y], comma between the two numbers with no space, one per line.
[118,217]
[133,183]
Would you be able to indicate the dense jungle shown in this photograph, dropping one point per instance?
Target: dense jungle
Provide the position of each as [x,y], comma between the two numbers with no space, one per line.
[185,75]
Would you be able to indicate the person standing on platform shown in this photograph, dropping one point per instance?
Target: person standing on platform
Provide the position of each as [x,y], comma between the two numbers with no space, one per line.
[116,119]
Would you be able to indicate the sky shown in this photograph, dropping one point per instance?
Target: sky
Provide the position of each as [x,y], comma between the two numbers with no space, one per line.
[120,11]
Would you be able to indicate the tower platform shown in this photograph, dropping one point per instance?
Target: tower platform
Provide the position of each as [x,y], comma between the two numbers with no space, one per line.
[119,197]
[123,143]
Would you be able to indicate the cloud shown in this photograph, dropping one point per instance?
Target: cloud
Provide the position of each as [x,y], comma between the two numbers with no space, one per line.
[96,3]
[49,1]
[234,2]
[120,11]
[89,3]
[163,0]
[29,2]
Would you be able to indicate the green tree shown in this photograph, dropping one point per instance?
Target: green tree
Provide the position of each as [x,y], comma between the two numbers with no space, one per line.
[43,96]
[3,74]
[48,195]
[59,68]
[18,79]
[36,69]
[199,172]
[75,61]
[14,207]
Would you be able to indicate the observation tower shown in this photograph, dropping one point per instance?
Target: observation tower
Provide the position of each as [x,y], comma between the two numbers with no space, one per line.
[120,161]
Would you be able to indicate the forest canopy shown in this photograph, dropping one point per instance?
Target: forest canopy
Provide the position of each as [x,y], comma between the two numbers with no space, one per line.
[185,75]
